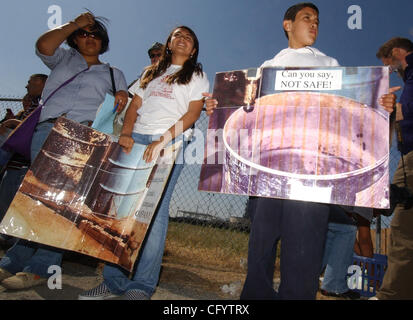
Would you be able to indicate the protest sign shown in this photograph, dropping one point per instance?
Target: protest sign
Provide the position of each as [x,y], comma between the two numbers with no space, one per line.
[311,134]
[83,193]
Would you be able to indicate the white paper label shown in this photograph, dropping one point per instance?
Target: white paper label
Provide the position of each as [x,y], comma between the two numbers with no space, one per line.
[308,80]
[309,193]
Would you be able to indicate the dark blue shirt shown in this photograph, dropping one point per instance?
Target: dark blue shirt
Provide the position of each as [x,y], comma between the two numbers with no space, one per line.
[406,99]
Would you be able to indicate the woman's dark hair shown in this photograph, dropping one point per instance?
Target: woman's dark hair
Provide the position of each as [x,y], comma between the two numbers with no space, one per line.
[98,27]
[184,75]
[292,11]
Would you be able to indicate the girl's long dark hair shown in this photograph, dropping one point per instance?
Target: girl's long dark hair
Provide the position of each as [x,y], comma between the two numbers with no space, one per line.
[184,75]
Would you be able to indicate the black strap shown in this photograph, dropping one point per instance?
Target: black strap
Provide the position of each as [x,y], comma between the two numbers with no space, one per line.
[113,81]
[400,148]
[62,85]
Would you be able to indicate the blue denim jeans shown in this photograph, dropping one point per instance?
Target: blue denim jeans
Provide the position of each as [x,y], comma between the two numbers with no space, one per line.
[26,256]
[338,256]
[148,266]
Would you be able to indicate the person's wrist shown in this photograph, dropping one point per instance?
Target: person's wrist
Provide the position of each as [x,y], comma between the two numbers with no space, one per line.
[76,24]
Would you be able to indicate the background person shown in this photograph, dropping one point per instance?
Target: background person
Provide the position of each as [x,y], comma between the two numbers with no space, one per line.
[8,160]
[397,53]
[30,101]
[339,250]
[154,53]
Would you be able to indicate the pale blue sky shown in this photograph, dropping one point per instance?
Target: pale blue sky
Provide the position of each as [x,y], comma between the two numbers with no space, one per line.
[233,34]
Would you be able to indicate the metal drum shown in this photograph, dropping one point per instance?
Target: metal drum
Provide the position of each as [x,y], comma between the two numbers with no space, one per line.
[323,141]
[71,153]
[120,184]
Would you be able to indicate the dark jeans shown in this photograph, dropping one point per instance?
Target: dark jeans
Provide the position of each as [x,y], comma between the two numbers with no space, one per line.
[302,228]
[9,184]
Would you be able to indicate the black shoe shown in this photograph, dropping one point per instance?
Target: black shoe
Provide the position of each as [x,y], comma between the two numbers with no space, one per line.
[352,295]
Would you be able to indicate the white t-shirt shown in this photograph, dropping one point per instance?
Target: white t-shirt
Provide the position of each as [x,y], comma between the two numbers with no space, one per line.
[303,57]
[163,104]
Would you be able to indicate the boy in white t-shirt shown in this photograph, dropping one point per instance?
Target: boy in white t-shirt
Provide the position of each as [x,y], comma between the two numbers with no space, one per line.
[301,226]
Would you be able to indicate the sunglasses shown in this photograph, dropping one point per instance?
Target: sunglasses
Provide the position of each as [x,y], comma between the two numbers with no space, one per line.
[155,55]
[84,34]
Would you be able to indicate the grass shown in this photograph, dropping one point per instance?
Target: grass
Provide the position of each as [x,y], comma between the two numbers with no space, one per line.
[206,246]
[205,258]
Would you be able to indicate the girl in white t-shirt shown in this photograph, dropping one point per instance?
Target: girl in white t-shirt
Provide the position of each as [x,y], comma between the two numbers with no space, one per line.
[166,103]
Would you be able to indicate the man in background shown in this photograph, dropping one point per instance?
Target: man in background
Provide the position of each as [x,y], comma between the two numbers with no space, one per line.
[154,53]
[30,101]
[397,53]
[14,162]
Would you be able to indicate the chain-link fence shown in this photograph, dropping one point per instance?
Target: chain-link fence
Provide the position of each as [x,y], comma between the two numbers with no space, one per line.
[10,102]
[207,228]
[189,204]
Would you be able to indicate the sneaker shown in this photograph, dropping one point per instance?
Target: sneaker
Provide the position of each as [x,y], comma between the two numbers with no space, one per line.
[101,292]
[4,274]
[23,280]
[135,294]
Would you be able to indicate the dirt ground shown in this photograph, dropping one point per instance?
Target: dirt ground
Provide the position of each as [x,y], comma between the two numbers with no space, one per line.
[81,273]
[177,282]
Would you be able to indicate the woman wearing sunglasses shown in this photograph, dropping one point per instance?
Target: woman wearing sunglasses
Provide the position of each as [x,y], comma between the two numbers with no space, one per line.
[166,103]
[82,82]
[88,39]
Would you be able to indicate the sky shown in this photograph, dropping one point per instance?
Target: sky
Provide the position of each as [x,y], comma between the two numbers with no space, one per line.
[233,34]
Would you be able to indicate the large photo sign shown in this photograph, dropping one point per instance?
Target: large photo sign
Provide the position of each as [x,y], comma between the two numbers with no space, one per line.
[311,134]
[83,193]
